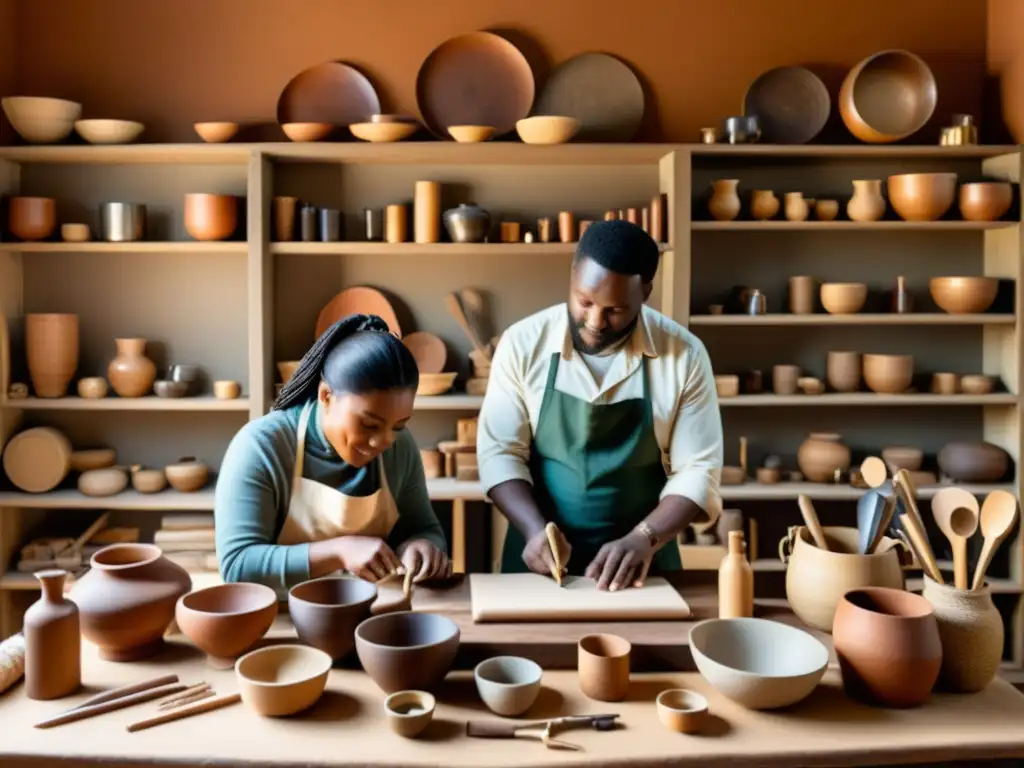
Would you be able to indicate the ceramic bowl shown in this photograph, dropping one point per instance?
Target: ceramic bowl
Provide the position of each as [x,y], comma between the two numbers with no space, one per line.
[75,233]
[963,295]
[109,131]
[307,131]
[227,619]
[32,218]
[92,458]
[922,196]
[409,712]
[508,685]
[187,475]
[905,457]
[216,132]
[888,96]
[547,129]
[888,374]
[103,482]
[164,388]
[384,131]
[977,384]
[209,217]
[727,385]
[226,390]
[681,710]
[985,200]
[327,611]
[287,369]
[471,134]
[146,480]
[759,664]
[435,383]
[280,680]
[41,120]
[843,298]
[93,387]
[407,651]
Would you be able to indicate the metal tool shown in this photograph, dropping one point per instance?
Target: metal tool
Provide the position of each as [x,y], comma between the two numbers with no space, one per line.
[542,730]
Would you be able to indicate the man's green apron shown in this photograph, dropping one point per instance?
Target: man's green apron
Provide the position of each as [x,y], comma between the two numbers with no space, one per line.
[597,473]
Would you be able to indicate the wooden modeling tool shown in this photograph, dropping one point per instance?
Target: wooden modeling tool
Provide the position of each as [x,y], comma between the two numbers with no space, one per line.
[552,533]
[998,515]
[196,708]
[810,516]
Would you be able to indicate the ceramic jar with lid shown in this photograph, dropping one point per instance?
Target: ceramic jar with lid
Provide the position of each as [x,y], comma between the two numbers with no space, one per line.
[820,455]
[971,630]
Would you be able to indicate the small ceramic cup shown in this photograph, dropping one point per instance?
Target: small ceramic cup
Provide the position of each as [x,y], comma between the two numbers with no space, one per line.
[768,475]
[784,379]
[226,390]
[508,685]
[682,711]
[75,233]
[93,387]
[604,667]
[727,385]
[945,383]
[409,712]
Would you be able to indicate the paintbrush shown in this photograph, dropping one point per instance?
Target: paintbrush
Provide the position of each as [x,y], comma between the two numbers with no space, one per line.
[552,533]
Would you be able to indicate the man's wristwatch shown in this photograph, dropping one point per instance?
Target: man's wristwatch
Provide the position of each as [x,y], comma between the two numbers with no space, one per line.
[649,532]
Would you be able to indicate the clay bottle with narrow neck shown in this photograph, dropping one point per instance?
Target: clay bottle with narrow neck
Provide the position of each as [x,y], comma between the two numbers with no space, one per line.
[735,581]
[52,641]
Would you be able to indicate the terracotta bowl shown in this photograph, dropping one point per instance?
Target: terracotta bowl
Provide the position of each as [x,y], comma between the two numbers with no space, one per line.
[508,685]
[963,295]
[280,680]
[307,131]
[888,374]
[383,131]
[888,96]
[471,134]
[32,218]
[109,131]
[681,710]
[922,196]
[977,384]
[216,132]
[327,611]
[985,200]
[210,217]
[41,120]
[187,475]
[227,619]
[75,233]
[759,664]
[905,457]
[435,383]
[407,651]
[286,369]
[547,129]
[843,298]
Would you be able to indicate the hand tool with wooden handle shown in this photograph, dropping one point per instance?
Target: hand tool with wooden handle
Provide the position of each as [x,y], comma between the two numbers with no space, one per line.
[552,533]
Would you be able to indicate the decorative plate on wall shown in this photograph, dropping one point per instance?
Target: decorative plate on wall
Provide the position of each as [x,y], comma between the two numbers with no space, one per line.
[360,300]
[332,92]
[600,91]
[792,105]
[475,79]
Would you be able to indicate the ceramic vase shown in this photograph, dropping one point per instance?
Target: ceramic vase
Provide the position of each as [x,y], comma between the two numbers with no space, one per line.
[888,646]
[724,204]
[131,373]
[797,208]
[51,346]
[53,644]
[763,204]
[467,223]
[127,600]
[972,635]
[735,581]
[210,217]
[843,371]
[820,455]
[867,203]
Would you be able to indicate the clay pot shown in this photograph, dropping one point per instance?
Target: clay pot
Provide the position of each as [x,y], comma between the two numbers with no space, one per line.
[888,374]
[888,646]
[784,379]
[985,200]
[820,455]
[843,298]
[131,373]
[327,611]
[817,579]
[922,196]
[974,461]
[801,294]
[127,600]
[93,387]
[603,663]
[51,346]
[724,204]
[148,480]
[867,203]
[103,482]
[211,217]
[32,218]
[887,96]
[407,651]
[843,370]
[898,457]
[53,646]
[961,295]
[797,208]
[826,210]
[226,620]
[972,635]
[763,204]
[187,475]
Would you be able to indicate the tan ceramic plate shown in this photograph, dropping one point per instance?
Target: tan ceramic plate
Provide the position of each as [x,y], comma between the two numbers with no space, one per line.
[332,92]
[357,301]
[429,351]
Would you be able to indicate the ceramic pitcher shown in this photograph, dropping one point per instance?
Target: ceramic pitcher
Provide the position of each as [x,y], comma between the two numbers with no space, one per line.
[867,203]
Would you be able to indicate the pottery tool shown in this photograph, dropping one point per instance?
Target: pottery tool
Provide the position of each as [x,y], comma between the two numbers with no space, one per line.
[407,583]
[956,513]
[128,690]
[869,515]
[810,516]
[475,308]
[743,457]
[196,708]
[187,693]
[81,713]
[998,515]
[552,533]
[873,470]
[922,549]
[543,730]
[883,524]
[907,493]
[197,696]
[454,307]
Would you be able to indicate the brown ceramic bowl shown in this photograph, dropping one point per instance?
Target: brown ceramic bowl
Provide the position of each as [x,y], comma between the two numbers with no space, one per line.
[843,298]
[903,457]
[307,131]
[963,295]
[32,218]
[407,651]
[681,710]
[227,619]
[888,374]
[985,200]
[210,217]
[327,611]
[888,96]
[216,132]
[974,461]
[281,680]
[977,384]
[922,196]
[471,134]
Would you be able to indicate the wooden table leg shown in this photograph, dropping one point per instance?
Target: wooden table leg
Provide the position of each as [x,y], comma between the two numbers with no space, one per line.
[459,535]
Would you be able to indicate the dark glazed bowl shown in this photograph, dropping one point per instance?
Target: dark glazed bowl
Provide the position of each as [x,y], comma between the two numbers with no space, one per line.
[407,651]
[327,611]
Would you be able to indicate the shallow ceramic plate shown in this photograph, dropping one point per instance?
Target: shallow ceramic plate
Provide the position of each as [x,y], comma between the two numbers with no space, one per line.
[792,105]
[357,301]
[332,92]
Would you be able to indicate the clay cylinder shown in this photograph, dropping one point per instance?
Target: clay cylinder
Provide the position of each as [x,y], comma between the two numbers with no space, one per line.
[657,230]
[971,631]
[427,212]
[945,383]
[307,223]
[604,667]
[284,218]
[566,226]
[544,230]
[784,379]
[396,224]
[509,232]
[51,345]
[802,295]
[53,645]
[633,215]
[843,370]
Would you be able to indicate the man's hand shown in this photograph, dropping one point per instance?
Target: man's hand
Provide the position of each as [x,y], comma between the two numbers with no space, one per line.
[425,560]
[538,556]
[622,563]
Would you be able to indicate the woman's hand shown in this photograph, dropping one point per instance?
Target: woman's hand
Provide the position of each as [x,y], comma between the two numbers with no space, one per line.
[368,557]
[425,560]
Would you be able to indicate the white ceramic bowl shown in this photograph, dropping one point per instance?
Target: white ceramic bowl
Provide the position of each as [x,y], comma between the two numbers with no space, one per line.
[759,664]
[508,685]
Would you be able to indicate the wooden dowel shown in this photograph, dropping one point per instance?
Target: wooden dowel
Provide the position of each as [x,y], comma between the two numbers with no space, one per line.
[180,702]
[178,714]
[191,690]
[127,690]
[109,706]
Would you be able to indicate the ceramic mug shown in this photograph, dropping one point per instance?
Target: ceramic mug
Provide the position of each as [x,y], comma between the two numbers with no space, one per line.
[604,667]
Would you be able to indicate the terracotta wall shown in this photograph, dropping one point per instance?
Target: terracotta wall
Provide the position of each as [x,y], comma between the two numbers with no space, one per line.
[1005,41]
[171,62]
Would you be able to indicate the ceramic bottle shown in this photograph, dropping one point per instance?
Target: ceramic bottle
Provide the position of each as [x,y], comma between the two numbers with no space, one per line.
[735,581]
[53,664]
[763,204]
[724,204]
[867,203]
[971,630]
[797,209]
[131,373]
[51,346]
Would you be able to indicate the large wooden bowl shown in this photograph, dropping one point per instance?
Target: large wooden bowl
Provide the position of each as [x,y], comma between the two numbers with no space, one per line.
[888,374]
[888,96]
[963,295]
[922,196]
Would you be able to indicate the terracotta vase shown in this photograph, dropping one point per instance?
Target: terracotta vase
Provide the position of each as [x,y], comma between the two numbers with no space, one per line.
[820,455]
[797,208]
[53,644]
[51,346]
[972,635]
[127,600]
[888,646]
[763,204]
[724,204]
[131,373]
[32,218]
[974,461]
[210,217]
[867,203]
[843,370]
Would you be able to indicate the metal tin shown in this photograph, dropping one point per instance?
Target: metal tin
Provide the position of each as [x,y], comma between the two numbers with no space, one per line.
[122,222]
[374,218]
[330,225]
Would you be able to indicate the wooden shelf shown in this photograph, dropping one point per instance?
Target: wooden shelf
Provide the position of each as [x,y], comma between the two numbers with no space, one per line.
[448,403]
[867,151]
[869,399]
[357,248]
[121,154]
[881,318]
[200,501]
[752,491]
[140,246]
[148,403]
[848,226]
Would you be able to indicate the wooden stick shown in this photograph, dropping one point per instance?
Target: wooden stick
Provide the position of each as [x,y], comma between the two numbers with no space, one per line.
[552,533]
[178,714]
[191,690]
[127,690]
[110,706]
[197,696]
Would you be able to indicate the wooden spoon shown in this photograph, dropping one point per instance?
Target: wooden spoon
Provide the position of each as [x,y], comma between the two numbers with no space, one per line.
[998,516]
[956,513]
[475,309]
[810,516]
[922,549]
[454,306]
[873,470]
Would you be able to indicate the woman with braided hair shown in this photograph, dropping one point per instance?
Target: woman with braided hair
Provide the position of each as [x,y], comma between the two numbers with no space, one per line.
[330,480]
